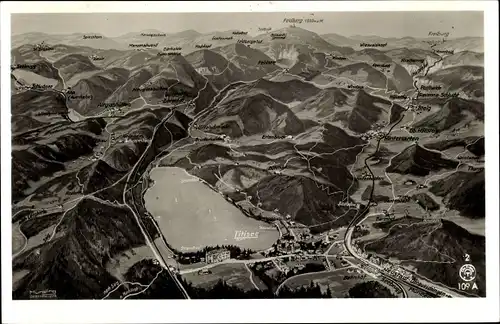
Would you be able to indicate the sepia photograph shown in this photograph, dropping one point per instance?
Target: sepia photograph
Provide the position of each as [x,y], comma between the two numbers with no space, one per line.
[294,155]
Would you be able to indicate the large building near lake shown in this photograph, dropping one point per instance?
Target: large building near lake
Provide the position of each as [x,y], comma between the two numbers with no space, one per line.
[215,256]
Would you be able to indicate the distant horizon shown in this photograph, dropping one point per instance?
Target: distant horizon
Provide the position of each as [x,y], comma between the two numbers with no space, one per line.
[222,31]
[416,24]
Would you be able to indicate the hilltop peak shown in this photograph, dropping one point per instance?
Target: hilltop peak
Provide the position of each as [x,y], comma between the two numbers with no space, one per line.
[295,31]
[151,31]
[417,160]
[187,33]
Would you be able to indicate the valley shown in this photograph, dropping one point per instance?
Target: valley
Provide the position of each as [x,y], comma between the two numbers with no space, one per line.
[255,167]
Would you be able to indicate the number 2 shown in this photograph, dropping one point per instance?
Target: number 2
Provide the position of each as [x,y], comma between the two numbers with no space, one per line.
[467,257]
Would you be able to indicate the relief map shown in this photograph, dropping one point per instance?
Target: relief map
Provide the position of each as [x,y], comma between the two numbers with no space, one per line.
[266,160]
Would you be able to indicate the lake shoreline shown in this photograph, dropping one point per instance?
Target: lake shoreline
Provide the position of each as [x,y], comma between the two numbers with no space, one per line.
[266,227]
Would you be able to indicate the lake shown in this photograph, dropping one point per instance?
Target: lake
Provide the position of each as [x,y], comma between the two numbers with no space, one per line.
[191,215]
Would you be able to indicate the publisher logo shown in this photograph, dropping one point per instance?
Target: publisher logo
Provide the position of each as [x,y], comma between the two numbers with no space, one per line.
[467,272]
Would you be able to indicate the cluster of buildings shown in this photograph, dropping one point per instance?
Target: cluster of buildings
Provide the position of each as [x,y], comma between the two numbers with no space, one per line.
[388,267]
[68,91]
[23,86]
[42,47]
[387,215]
[287,245]
[397,271]
[304,236]
[288,219]
[283,267]
[331,235]
[114,111]
[98,153]
[95,57]
[216,256]
[351,270]
[358,250]
[96,156]
[371,134]
[305,242]
[379,125]
[208,71]
[173,269]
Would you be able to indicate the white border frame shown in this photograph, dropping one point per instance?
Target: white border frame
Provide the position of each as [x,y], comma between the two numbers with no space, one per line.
[325,310]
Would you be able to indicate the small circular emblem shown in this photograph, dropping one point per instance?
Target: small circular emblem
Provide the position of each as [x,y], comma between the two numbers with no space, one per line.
[467,272]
